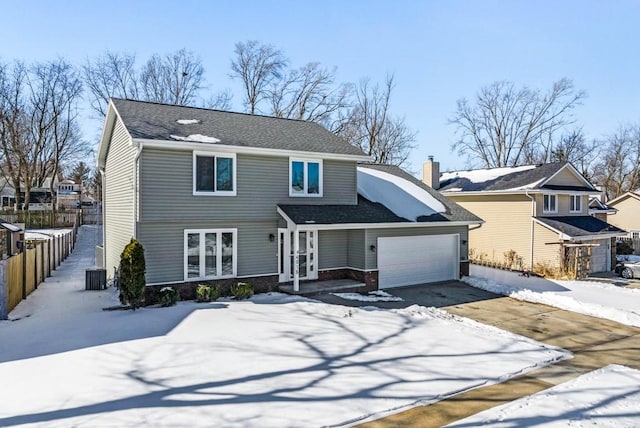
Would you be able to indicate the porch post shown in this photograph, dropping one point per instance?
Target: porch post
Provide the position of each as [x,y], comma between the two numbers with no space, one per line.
[296,260]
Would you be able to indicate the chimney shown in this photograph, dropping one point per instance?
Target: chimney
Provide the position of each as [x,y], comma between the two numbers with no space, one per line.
[431,173]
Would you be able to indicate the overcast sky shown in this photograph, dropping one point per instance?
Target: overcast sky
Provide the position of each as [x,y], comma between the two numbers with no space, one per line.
[439,51]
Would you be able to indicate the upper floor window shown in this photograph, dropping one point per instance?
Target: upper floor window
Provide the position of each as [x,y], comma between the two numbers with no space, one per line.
[214,174]
[550,204]
[305,177]
[575,204]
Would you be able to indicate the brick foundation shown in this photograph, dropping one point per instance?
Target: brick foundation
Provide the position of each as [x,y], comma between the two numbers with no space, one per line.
[370,277]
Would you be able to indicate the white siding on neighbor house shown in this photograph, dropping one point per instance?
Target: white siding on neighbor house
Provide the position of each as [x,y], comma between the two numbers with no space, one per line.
[118,194]
[262,183]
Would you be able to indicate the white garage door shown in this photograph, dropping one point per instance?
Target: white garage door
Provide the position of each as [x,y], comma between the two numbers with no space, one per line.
[411,260]
[600,256]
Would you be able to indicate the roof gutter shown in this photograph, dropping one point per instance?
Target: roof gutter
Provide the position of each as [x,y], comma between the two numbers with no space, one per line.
[224,148]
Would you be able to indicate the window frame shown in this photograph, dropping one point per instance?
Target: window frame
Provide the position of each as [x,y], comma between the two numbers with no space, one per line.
[573,198]
[215,156]
[305,193]
[555,204]
[201,244]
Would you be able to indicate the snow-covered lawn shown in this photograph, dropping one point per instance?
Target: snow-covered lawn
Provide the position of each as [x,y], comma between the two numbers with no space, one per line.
[608,397]
[597,299]
[274,360]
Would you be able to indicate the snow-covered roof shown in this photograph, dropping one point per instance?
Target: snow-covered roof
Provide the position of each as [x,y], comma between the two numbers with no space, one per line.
[199,138]
[402,197]
[512,179]
[482,175]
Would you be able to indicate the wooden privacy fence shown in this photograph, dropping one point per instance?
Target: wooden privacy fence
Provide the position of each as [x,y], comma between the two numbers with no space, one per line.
[21,274]
[44,219]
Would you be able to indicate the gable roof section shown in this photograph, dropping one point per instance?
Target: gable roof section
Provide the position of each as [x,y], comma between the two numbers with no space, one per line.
[624,196]
[437,208]
[580,227]
[510,179]
[146,121]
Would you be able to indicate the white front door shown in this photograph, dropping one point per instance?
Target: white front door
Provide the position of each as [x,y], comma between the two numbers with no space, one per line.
[307,256]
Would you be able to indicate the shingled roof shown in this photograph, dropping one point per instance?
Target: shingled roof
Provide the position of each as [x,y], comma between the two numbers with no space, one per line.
[580,226]
[505,179]
[164,122]
[368,212]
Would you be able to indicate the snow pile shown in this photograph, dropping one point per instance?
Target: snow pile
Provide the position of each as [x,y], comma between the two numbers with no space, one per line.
[402,197]
[373,296]
[482,175]
[187,122]
[607,397]
[597,299]
[198,138]
[273,360]
[628,258]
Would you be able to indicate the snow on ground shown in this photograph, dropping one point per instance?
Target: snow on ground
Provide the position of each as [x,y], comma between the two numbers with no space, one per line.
[187,121]
[373,296]
[44,233]
[199,138]
[597,299]
[482,175]
[273,360]
[607,397]
[401,196]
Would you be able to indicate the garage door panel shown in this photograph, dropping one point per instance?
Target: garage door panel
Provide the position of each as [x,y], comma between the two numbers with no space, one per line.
[600,256]
[417,259]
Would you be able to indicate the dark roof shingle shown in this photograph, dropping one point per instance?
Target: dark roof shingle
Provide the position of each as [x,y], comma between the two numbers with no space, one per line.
[155,121]
[532,178]
[577,226]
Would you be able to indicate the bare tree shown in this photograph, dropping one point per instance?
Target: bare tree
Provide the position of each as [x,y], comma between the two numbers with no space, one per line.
[505,123]
[110,75]
[174,79]
[219,101]
[618,170]
[370,125]
[309,93]
[256,65]
[39,126]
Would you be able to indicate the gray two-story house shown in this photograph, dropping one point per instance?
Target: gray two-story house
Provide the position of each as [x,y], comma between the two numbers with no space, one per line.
[222,196]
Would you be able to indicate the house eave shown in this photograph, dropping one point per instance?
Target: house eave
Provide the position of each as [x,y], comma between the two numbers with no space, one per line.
[517,192]
[222,148]
[566,237]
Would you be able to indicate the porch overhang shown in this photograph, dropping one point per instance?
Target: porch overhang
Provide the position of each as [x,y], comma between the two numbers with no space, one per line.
[579,228]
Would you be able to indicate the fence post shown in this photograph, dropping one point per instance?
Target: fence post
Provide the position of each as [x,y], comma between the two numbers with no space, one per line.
[35,269]
[4,295]
[24,272]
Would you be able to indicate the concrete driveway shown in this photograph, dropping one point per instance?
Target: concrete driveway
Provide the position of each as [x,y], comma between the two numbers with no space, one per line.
[594,342]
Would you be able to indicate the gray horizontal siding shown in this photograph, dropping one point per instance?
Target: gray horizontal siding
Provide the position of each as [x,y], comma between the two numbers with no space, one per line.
[262,183]
[372,236]
[164,247]
[332,249]
[356,252]
[118,189]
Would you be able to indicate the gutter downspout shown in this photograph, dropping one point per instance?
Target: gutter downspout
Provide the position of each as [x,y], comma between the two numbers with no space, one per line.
[104,220]
[135,191]
[533,214]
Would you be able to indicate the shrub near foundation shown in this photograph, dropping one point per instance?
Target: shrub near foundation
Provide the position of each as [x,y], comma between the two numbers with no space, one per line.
[242,290]
[168,297]
[207,293]
[132,275]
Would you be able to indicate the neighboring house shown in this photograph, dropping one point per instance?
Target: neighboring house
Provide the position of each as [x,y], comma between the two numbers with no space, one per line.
[222,196]
[628,215]
[68,194]
[600,209]
[538,214]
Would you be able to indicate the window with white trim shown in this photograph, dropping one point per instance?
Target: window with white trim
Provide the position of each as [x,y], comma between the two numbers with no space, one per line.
[305,177]
[214,174]
[575,203]
[550,204]
[210,254]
